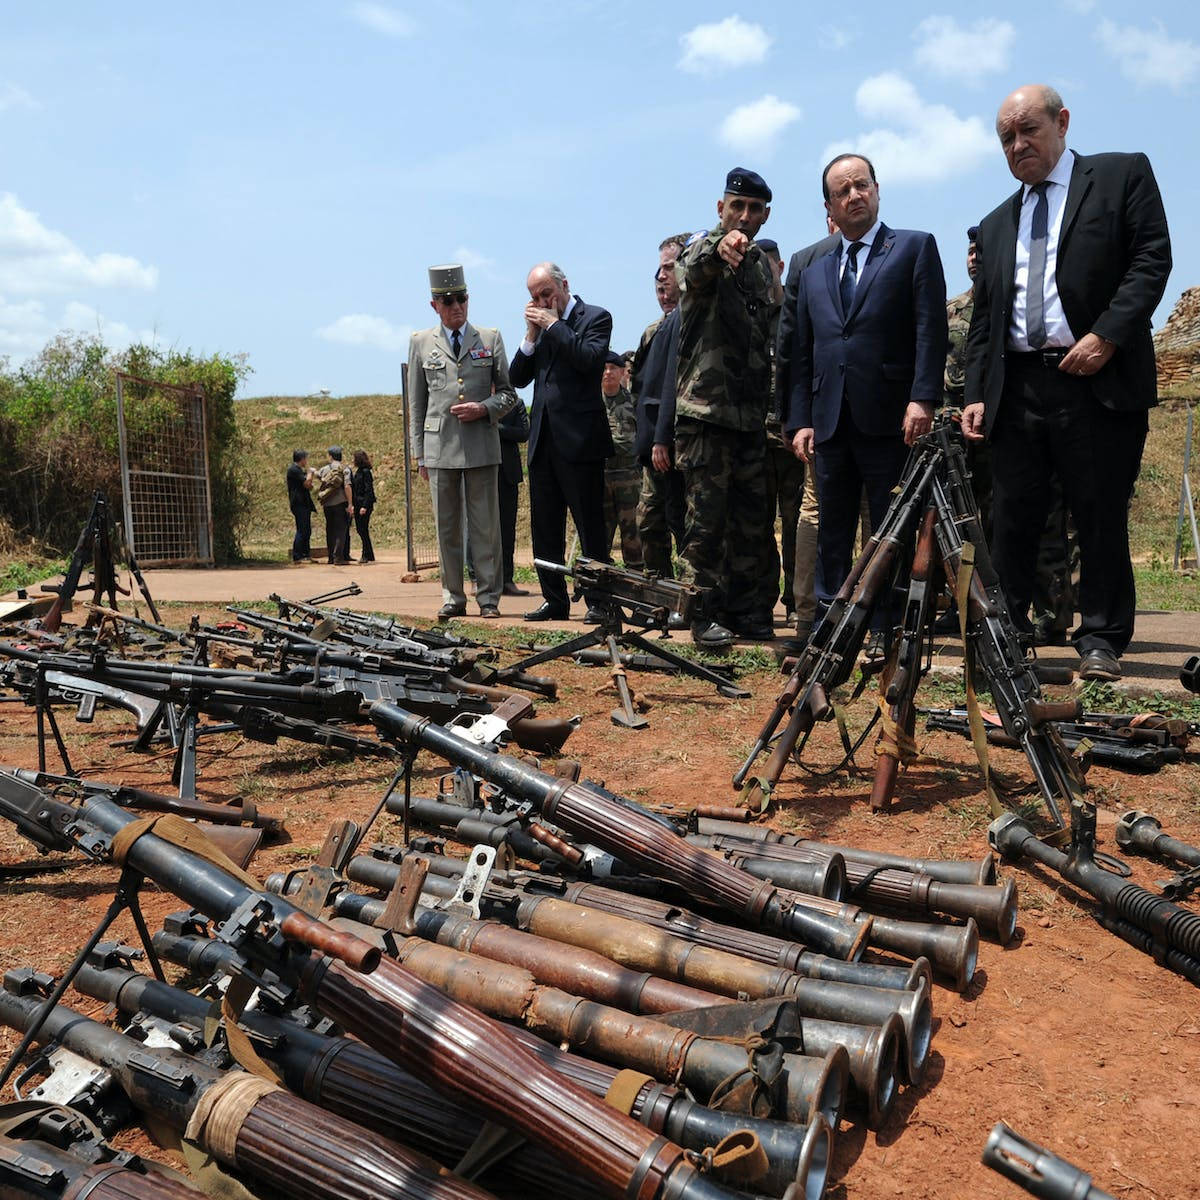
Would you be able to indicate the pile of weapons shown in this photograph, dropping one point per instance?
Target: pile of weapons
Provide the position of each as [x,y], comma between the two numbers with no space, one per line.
[728,1018]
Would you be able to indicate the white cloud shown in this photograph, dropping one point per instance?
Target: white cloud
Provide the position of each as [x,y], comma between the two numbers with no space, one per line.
[754,128]
[964,52]
[921,141]
[836,37]
[35,259]
[723,45]
[362,329]
[382,19]
[26,326]
[116,335]
[1151,56]
[12,95]
[472,260]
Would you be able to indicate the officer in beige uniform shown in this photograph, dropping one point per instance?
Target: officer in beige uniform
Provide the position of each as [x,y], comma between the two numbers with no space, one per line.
[458,390]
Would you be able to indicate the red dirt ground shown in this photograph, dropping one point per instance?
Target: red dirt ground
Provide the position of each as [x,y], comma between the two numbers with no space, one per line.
[1074,1038]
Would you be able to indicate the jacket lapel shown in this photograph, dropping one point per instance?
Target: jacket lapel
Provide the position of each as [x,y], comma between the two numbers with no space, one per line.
[832,262]
[1004,268]
[470,337]
[1077,189]
[884,240]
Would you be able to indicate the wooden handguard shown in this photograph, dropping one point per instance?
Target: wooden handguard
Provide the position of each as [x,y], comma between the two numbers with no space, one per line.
[356,953]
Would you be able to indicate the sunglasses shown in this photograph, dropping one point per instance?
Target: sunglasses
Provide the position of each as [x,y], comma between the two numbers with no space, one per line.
[451,298]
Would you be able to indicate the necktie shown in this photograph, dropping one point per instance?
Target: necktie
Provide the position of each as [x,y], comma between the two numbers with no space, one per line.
[850,277]
[455,341]
[1035,307]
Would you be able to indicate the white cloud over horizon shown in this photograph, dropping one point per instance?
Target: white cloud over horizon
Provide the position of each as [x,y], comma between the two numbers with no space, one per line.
[754,128]
[1151,57]
[964,52]
[35,259]
[364,329]
[921,142]
[472,260]
[383,19]
[26,327]
[12,95]
[723,46]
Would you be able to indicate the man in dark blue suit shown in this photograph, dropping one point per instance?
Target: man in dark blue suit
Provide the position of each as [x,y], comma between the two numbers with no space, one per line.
[867,355]
[562,355]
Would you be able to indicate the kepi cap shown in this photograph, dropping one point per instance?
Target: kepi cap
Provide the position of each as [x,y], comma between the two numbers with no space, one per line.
[447,278]
[740,182]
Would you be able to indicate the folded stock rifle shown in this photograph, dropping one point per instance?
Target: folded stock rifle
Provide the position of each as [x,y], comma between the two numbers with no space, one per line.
[933,509]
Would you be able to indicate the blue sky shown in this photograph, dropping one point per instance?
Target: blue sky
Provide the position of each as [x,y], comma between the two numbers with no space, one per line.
[275,179]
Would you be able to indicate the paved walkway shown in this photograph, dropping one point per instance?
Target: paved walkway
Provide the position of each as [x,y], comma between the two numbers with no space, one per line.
[1163,639]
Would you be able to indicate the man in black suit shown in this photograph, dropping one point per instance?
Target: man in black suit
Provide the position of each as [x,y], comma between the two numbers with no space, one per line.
[868,353]
[569,439]
[1060,363]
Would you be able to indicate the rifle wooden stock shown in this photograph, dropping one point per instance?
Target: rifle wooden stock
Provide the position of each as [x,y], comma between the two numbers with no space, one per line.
[630,834]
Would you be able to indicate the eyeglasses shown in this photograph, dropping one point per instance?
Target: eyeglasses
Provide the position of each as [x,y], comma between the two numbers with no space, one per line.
[452,298]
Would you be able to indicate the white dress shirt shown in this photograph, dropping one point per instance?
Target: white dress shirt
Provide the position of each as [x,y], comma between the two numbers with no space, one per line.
[868,244]
[1058,332]
[527,345]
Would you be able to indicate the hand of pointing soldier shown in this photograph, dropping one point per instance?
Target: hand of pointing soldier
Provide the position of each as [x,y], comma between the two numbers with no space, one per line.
[733,246]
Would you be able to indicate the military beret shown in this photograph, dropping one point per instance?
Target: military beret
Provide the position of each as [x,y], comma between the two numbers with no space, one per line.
[448,278]
[972,233]
[740,182]
[613,357]
[768,245]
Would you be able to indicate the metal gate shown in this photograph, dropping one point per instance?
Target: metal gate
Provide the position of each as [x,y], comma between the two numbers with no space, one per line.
[164,472]
[420,529]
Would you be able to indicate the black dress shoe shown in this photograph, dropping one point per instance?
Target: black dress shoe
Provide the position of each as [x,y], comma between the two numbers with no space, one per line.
[1100,663]
[593,616]
[511,589]
[450,609]
[753,629]
[548,612]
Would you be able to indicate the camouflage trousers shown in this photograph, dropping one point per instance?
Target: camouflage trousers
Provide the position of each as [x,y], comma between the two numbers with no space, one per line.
[660,517]
[724,538]
[622,486]
[785,487]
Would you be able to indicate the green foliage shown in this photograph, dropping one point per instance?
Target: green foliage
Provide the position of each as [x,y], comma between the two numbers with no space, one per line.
[58,433]
[19,574]
[1103,697]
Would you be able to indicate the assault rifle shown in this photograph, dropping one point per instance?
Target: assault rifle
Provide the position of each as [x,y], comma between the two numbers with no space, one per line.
[621,597]
[464,1054]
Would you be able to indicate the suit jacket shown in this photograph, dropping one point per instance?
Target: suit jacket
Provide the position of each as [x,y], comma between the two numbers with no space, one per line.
[514,429]
[787,316]
[565,369]
[888,350]
[437,380]
[1114,256]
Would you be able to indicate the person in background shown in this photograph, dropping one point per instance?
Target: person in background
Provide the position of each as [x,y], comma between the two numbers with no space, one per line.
[362,490]
[622,474]
[333,491]
[514,430]
[299,485]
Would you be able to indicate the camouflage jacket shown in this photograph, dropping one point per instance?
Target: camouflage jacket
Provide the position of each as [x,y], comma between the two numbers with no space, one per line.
[724,375]
[622,420]
[958,314]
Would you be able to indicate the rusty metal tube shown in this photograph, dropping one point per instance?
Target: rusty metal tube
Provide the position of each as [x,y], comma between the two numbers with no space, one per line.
[874,1052]
[634,836]
[805,1087]
[818,876]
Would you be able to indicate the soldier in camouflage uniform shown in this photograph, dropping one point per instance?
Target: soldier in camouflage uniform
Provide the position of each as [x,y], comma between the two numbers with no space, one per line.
[622,474]
[785,472]
[723,380]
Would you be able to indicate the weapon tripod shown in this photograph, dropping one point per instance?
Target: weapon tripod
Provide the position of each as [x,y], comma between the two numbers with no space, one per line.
[615,612]
[934,511]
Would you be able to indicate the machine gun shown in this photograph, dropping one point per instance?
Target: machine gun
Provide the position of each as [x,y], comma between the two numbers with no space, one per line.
[464,1055]
[934,493]
[644,600]
[1035,1169]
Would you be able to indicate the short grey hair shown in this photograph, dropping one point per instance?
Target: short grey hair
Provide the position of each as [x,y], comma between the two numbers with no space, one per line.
[552,269]
[1053,102]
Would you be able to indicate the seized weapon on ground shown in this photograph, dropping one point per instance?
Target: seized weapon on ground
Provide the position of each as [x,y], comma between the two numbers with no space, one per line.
[621,597]
[936,478]
[1189,674]
[465,1054]
[1142,833]
[240,1119]
[342,1074]
[95,543]
[51,1152]
[1036,1169]
[1170,934]
[1097,743]
[632,834]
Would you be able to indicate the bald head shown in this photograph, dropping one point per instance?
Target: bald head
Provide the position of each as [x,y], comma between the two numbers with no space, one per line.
[1032,127]
[548,287]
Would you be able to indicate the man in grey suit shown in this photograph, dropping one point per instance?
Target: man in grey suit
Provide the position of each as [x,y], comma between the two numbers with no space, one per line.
[458,390]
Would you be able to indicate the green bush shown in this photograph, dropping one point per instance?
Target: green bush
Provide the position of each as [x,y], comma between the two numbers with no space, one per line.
[58,434]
